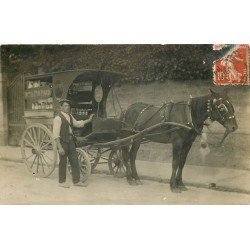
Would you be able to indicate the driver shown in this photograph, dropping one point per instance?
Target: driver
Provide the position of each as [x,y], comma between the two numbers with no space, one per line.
[63,133]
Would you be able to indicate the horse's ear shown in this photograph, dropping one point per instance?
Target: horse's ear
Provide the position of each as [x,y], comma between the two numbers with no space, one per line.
[218,93]
[225,92]
[213,92]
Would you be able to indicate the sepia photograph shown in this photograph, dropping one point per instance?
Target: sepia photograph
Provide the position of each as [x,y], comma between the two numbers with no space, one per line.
[124,124]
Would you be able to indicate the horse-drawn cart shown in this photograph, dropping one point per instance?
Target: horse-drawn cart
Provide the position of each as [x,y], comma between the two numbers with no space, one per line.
[88,91]
[115,140]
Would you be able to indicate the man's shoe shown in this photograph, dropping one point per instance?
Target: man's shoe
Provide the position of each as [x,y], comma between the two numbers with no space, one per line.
[64,185]
[81,184]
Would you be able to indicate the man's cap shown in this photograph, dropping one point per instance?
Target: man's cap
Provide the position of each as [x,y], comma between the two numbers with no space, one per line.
[65,100]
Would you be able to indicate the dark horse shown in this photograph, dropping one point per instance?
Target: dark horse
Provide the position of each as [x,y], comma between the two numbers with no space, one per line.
[194,113]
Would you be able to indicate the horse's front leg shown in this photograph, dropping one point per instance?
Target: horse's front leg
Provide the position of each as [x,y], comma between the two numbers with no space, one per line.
[126,157]
[184,152]
[175,164]
[133,153]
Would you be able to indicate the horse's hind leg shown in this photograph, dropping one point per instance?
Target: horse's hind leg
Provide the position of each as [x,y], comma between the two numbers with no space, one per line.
[126,158]
[133,153]
[183,157]
[176,159]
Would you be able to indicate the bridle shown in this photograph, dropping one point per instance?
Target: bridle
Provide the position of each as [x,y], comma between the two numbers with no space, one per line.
[222,112]
[220,108]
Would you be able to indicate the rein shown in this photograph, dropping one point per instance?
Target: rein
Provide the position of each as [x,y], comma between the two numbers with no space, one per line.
[221,140]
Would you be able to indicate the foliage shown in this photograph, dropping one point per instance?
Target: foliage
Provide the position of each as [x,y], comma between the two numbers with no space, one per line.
[141,63]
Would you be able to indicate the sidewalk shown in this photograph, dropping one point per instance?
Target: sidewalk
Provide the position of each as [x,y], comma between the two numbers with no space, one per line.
[199,176]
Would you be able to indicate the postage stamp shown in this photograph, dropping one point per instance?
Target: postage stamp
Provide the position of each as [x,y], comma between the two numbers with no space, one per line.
[233,67]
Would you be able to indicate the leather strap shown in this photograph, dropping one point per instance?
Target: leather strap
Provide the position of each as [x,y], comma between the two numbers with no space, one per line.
[70,123]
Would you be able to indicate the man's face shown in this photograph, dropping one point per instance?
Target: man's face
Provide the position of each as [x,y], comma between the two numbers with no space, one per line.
[65,107]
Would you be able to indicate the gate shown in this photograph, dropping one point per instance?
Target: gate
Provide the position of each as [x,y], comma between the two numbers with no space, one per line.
[16,104]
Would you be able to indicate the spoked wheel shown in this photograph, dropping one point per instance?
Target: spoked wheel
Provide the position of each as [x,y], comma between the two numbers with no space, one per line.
[39,150]
[94,156]
[84,163]
[116,164]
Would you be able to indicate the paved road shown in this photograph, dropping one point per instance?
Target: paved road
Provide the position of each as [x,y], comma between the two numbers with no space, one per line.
[17,186]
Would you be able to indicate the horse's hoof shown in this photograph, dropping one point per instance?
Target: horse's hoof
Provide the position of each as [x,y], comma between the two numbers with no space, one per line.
[183,188]
[176,190]
[132,183]
[138,182]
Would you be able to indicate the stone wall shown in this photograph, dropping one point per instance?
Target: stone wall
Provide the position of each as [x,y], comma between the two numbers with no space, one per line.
[3,109]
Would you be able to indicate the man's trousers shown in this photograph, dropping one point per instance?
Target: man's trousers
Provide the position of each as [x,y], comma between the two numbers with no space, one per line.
[70,153]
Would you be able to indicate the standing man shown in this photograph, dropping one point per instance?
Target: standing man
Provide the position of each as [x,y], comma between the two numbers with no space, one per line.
[63,134]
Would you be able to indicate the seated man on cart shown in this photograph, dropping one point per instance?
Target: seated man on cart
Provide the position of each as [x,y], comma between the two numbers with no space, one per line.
[63,133]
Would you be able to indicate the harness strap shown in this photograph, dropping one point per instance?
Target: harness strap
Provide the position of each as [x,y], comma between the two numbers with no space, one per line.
[163,106]
[168,110]
[188,113]
[189,116]
[70,123]
[136,121]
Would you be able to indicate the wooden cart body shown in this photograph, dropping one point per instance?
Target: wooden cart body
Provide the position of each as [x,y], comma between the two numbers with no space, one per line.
[81,87]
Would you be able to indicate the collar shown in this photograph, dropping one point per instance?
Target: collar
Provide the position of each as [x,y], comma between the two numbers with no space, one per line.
[189,116]
[188,113]
[65,114]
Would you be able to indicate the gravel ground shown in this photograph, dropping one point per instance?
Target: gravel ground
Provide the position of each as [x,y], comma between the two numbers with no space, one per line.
[17,186]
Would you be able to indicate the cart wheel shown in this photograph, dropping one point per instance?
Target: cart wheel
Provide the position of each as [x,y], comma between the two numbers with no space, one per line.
[84,163]
[39,150]
[94,156]
[116,165]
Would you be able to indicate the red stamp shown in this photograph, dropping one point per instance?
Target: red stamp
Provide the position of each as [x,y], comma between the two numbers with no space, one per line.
[233,68]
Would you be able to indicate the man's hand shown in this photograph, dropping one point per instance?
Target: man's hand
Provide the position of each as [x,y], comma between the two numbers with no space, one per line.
[59,146]
[88,120]
[91,117]
[61,151]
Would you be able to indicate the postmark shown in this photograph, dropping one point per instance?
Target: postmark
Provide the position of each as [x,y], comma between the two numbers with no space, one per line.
[233,67]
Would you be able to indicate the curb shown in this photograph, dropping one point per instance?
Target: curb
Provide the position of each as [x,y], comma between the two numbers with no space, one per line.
[189,184]
[161,180]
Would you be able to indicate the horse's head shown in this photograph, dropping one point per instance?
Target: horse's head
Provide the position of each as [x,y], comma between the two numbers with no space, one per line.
[220,109]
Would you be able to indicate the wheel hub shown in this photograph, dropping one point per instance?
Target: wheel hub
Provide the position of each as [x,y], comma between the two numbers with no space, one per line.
[118,163]
[36,151]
